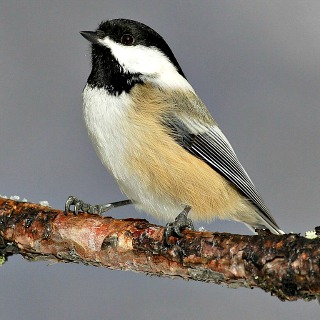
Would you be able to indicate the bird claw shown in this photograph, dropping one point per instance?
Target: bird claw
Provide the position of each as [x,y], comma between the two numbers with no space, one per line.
[79,205]
[180,223]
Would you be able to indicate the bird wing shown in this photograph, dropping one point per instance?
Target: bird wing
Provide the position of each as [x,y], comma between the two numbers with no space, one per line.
[208,143]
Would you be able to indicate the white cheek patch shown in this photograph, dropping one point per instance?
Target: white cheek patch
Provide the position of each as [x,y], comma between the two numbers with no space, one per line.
[138,58]
[148,61]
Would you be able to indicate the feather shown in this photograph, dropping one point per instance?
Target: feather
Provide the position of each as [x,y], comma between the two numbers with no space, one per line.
[211,146]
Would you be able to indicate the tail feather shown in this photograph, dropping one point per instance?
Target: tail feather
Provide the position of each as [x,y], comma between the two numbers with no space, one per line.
[273,228]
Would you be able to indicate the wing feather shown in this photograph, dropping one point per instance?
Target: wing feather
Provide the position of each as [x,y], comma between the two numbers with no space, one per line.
[210,145]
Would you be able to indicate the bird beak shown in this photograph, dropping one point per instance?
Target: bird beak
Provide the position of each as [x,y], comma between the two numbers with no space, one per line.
[90,36]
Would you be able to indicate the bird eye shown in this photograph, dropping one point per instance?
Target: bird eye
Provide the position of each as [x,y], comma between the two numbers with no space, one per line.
[127,39]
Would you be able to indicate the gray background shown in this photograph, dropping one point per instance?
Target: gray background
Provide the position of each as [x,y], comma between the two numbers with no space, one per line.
[256,66]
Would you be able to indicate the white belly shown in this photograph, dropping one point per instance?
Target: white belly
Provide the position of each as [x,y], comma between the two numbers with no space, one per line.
[106,119]
[112,135]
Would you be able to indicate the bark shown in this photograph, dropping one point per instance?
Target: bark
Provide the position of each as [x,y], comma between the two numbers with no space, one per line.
[287,266]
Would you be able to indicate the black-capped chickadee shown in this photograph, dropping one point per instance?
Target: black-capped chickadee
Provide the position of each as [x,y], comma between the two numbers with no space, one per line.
[155,135]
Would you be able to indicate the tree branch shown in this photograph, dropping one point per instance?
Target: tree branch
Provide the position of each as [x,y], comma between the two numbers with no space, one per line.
[287,266]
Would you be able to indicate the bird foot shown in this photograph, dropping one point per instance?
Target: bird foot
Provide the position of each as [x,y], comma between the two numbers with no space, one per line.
[180,223]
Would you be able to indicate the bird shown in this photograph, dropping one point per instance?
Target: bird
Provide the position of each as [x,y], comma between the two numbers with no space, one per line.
[154,134]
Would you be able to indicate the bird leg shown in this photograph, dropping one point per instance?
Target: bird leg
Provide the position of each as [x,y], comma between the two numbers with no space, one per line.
[79,205]
[181,222]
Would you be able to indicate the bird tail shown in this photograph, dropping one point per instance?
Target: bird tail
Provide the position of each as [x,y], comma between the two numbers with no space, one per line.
[272,227]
